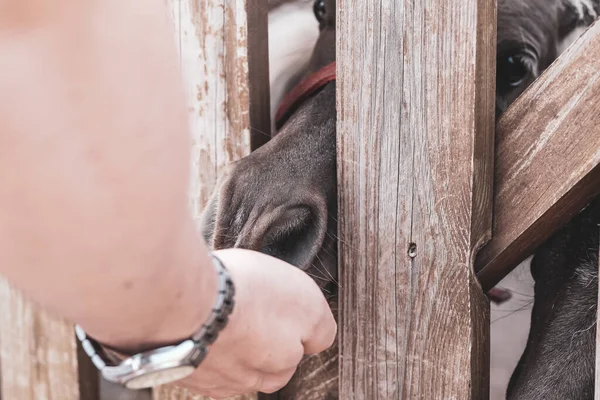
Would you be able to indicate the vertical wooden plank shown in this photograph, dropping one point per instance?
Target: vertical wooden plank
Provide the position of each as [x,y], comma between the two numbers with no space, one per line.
[226,105]
[415,154]
[224,57]
[38,351]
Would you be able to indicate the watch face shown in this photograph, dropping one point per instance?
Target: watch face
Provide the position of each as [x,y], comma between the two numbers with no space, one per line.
[157,378]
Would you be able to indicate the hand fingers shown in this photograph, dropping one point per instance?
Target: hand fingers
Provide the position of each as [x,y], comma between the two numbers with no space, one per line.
[260,382]
[320,328]
[218,385]
[274,382]
[323,333]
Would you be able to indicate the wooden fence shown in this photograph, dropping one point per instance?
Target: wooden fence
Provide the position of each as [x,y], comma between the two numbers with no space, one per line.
[416,178]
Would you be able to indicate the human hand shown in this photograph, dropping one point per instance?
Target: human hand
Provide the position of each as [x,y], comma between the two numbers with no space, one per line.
[279,315]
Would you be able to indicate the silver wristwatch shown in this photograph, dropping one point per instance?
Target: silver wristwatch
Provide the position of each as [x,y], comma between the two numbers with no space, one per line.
[165,364]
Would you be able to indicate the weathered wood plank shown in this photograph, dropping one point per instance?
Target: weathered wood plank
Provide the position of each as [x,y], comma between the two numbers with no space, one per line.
[547,158]
[224,55]
[415,154]
[38,351]
[225,104]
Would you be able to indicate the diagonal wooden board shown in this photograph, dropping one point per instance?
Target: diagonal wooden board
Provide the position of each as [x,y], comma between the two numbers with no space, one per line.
[547,158]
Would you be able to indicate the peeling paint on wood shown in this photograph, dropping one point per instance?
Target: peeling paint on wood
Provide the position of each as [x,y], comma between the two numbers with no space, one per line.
[214,37]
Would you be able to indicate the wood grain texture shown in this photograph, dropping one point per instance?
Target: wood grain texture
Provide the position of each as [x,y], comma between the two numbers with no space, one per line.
[223,45]
[415,154]
[547,158]
[229,107]
[38,351]
[315,380]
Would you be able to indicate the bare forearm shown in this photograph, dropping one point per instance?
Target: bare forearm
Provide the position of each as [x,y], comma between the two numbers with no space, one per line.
[94,169]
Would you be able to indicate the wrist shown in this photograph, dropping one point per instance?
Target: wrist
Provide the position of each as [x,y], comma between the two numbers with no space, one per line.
[174,309]
[170,362]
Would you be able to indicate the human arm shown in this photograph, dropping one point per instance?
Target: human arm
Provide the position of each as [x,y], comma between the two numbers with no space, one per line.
[94,172]
[94,167]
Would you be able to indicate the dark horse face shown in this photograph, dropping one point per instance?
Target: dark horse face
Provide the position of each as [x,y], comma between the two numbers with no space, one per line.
[531,33]
[282,198]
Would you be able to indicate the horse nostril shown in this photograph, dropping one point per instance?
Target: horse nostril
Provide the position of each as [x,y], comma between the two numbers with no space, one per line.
[295,236]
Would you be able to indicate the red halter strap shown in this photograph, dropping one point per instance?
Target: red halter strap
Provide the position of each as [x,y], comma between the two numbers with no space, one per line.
[303,91]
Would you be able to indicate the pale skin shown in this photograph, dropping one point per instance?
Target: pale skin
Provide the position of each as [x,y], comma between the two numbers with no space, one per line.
[94,223]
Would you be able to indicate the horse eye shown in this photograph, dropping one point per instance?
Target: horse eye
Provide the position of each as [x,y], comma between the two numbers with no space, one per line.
[320,10]
[513,70]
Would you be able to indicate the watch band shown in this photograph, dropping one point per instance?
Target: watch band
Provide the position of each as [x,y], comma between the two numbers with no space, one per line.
[223,307]
[119,368]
